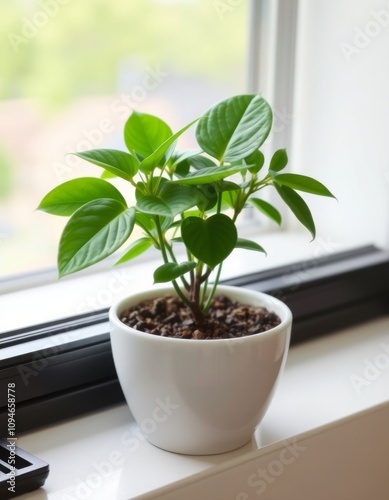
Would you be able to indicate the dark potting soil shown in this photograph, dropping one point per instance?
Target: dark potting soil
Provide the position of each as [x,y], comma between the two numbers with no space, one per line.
[170,317]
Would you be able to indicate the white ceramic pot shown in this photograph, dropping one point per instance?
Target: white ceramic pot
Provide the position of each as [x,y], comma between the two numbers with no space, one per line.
[199,397]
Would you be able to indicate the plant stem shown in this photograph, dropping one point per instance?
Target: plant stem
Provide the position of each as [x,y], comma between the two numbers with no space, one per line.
[214,288]
[204,292]
[192,304]
[173,257]
[161,239]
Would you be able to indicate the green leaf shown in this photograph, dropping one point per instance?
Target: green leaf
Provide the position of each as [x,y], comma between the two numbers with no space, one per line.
[182,169]
[234,128]
[267,209]
[279,160]
[119,163]
[144,221]
[209,175]
[199,162]
[209,197]
[303,183]
[230,198]
[249,245]
[177,239]
[166,223]
[144,133]
[179,156]
[151,204]
[107,175]
[163,152]
[68,197]
[223,186]
[257,159]
[298,207]
[172,200]
[154,185]
[179,161]
[136,248]
[93,233]
[172,271]
[175,224]
[212,240]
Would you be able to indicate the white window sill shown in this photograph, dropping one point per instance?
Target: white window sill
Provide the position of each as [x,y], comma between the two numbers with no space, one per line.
[103,456]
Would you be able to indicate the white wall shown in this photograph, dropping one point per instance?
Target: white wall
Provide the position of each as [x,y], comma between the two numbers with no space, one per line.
[341,115]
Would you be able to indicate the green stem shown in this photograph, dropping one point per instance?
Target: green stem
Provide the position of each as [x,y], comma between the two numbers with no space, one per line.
[252,188]
[206,275]
[214,288]
[193,306]
[155,191]
[182,296]
[161,239]
[144,180]
[219,203]
[203,292]
[173,257]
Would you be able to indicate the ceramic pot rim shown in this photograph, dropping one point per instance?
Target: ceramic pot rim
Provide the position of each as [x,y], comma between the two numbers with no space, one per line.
[267,301]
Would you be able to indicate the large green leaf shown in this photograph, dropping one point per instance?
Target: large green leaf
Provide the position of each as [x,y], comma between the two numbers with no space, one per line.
[144,133]
[93,233]
[153,205]
[163,152]
[298,207]
[119,163]
[210,174]
[211,240]
[303,183]
[136,248]
[68,197]
[267,209]
[171,271]
[172,200]
[234,128]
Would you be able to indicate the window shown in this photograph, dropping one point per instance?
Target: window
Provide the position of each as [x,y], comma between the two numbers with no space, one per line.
[340,115]
[73,72]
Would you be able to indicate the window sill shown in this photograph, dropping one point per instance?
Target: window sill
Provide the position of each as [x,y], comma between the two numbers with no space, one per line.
[103,455]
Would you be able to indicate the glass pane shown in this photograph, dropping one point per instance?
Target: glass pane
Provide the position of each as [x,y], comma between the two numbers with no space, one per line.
[340,121]
[71,74]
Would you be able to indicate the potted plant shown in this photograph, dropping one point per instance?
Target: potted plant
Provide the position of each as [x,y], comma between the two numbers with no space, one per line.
[198,362]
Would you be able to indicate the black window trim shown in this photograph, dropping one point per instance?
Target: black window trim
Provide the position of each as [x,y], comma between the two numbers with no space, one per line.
[78,376]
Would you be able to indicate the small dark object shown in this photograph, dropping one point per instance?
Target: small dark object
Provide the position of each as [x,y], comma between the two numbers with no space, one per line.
[29,474]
